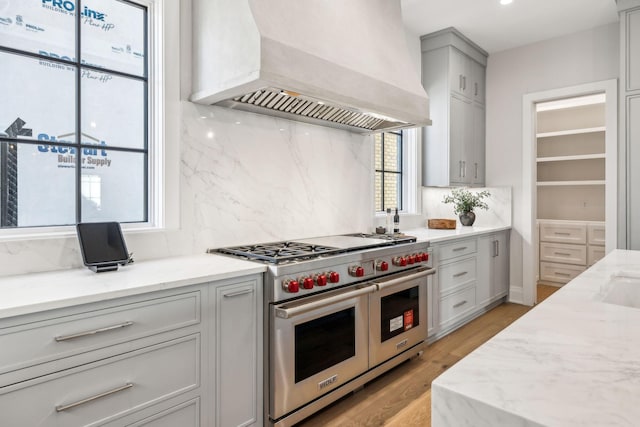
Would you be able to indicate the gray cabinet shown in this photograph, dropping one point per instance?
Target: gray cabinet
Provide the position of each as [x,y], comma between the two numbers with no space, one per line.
[238,356]
[493,267]
[629,115]
[453,74]
[189,357]
[472,277]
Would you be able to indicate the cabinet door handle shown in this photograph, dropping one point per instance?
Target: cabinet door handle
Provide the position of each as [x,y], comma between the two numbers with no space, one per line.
[460,304]
[475,85]
[496,248]
[61,338]
[460,84]
[562,253]
[559,233]
[562,274]
[476,170]
[460,274]
[464,169]
[464,82]
[460,168]
[61,408]
[461,248]
[238,293]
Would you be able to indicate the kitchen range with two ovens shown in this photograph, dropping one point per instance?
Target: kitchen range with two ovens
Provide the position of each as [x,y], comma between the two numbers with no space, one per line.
[339,311]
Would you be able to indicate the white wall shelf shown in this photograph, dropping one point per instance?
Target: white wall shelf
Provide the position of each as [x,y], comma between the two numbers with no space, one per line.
[569,158]
[570,183]
[571,132]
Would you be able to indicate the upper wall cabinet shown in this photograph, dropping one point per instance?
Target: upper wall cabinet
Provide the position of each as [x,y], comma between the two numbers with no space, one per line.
[453,74]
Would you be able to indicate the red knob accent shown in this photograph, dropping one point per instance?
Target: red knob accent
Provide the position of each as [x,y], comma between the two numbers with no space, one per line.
[424,256]
[356,271]
[411,259]
[291,286]
[334,277]
[382,266]
[321,280]
[307,283]
[400,261]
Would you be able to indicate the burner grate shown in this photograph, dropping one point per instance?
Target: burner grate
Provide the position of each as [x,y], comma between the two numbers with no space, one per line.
[278,252]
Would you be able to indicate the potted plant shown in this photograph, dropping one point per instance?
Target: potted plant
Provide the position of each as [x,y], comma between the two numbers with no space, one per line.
[464,202]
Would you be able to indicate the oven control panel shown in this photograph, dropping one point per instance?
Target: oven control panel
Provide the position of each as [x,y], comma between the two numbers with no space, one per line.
[358,269]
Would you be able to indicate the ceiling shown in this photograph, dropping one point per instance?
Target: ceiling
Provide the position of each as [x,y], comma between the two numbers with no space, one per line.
[495,27]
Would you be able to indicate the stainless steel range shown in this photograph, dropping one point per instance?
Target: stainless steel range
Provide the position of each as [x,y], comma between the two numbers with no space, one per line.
[339,311]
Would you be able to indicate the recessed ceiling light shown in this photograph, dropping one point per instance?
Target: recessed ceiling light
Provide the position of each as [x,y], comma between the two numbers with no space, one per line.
[506,1]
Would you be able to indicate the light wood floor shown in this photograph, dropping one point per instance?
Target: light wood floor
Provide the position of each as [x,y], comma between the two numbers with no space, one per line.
[402,396]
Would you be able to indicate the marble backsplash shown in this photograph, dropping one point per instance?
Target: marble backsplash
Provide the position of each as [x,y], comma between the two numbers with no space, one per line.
[498,213]
[243,178]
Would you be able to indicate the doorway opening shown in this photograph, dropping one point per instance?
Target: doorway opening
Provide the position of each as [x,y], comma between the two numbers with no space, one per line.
[569,182]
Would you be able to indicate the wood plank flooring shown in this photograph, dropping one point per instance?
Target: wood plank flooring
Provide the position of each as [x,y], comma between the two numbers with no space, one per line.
[402,396]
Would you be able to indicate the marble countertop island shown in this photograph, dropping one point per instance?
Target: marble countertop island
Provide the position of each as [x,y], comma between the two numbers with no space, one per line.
[573,360]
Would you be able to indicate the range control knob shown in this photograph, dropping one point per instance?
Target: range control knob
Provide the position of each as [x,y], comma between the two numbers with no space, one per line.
[411,259]
[291,286]
[321,279]
[399,261]
[356,271]
[382,266]
[334,276]
[307,283]
[424,256]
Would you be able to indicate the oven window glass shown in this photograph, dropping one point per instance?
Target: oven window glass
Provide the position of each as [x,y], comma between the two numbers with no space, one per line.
[399,313]
[325,342]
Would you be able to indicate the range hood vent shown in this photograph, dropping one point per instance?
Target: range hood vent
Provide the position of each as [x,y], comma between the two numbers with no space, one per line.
[300,61]
[292,105]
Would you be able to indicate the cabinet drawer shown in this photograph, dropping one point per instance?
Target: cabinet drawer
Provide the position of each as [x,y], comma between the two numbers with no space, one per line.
[560,273]
[39,342]
[563,233]
[457,305]
[457,249]
[594,254]
[564,253]
[456,274]
[99,392]
[595,234]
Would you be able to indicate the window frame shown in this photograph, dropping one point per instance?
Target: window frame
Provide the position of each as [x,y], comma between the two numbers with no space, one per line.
[401,172]
[159,191]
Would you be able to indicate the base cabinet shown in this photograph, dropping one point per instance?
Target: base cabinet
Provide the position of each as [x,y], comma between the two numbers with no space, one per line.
[472,276]
[185,357]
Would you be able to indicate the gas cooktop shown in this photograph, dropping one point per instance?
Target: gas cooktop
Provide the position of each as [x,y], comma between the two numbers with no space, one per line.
[304,249]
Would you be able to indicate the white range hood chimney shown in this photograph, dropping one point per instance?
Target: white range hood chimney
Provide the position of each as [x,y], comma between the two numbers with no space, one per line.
[335,63]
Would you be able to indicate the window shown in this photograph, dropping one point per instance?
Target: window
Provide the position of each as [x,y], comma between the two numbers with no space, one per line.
[74,121]
[389,178]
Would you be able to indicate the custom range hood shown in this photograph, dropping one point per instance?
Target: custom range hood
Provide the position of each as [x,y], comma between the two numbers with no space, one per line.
[335,63]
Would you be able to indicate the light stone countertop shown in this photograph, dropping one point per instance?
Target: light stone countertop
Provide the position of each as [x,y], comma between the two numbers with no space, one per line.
[437,236]
[573,360]
[30,293]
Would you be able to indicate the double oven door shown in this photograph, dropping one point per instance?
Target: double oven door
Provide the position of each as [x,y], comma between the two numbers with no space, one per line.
[316,345]
[398,314]
[319,343]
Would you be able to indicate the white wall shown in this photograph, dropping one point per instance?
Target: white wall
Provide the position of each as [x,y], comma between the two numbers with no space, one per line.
[579,58]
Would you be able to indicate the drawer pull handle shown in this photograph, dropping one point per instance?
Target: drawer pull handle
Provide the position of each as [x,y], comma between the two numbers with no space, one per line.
[562,253]
[61,408]
[93,332]
[562,274]
[459,249]
[238,293]
[559,233]
[460,274]
[460,304]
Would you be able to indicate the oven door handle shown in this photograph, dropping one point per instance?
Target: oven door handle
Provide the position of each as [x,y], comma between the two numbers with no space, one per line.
[287,313]
[404,279]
